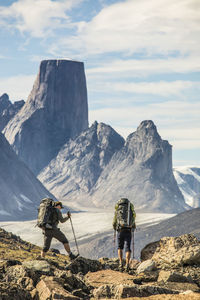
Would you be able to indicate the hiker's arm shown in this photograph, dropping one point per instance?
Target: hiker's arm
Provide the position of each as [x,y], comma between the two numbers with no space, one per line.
[134,216]
[61,218]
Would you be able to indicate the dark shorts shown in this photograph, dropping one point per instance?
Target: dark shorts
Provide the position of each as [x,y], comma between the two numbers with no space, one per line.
[124,237]
[53,233]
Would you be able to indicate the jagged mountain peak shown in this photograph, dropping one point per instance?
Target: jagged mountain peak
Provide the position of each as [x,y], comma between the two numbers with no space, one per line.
[145,142]
[80,162]
[4,102]
[4,97]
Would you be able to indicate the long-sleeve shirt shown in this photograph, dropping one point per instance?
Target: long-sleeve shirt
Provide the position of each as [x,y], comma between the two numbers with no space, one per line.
[59,218]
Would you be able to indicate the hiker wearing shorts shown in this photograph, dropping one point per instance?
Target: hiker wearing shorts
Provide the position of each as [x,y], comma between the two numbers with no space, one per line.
[124,223]
[55,232]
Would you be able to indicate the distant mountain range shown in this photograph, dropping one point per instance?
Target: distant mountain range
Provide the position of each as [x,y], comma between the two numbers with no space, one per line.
[89,166]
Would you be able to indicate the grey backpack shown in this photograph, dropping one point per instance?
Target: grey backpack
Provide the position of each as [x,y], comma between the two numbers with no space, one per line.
[125,218]
[45,213]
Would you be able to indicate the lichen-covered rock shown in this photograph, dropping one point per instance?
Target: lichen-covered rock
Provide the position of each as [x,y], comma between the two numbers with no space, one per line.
[23,277]
[50,289]
[146,266]
[37,265]
[182,250]
[173,277]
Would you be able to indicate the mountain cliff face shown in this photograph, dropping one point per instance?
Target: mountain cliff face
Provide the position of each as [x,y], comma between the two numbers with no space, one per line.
[142,172]
[78,165]
[188,179]
[20,190]
[8,110]
[98,168]
[56,110]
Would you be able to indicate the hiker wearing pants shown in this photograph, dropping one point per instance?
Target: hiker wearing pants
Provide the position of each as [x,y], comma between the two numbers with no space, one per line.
[124,223]
[55,232]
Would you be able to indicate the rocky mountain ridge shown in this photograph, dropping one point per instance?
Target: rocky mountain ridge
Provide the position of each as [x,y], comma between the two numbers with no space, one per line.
[23,276]
[21,191]
[79,164]
[139,168]
[8,109]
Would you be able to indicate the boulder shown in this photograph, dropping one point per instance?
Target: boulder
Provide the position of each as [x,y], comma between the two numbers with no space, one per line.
[174,251]
[50,289]
[172,276]
[146,266]
[37,265]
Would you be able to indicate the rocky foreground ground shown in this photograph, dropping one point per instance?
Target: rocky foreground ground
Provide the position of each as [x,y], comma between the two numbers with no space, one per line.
[169,269]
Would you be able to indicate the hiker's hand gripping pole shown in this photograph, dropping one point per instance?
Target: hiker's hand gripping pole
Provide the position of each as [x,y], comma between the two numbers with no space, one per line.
[69,215]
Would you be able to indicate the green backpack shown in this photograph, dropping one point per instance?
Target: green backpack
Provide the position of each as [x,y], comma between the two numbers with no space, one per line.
[46,213]
[125,217]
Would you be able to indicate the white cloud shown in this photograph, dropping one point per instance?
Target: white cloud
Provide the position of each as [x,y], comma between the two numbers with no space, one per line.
[176,121]
[147,26]
[145,67]
[162,88]
[37,17]
[17,87]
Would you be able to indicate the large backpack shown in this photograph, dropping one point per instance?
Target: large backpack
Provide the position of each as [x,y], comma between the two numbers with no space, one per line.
[125,217]
[45,213]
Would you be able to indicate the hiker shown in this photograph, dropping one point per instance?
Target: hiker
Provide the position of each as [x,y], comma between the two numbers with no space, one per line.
[124,223]
[55,232]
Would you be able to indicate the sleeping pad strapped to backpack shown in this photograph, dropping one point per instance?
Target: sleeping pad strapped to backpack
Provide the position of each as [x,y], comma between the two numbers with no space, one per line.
[45,213]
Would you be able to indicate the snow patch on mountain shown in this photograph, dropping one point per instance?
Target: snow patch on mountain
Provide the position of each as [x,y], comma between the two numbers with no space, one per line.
[188,179]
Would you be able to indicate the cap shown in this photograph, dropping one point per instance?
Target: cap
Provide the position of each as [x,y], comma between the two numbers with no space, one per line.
[58,203]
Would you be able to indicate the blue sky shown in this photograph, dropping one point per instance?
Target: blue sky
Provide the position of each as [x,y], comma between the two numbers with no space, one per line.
[141,60]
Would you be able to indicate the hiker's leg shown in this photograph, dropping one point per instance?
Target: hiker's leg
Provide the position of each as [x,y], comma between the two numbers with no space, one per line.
[59,235]
[120,239]
[47,241]
[120,255]
[128,256]
[128,248]
[67,247]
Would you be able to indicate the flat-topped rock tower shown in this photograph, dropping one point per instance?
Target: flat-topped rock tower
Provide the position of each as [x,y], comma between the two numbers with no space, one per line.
[55,111]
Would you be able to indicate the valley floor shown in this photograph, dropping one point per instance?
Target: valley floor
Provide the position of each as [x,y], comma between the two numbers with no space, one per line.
[88,226]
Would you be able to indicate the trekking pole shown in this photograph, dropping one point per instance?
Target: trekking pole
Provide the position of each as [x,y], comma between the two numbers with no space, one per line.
[114,240]
[133,244]
[74,235]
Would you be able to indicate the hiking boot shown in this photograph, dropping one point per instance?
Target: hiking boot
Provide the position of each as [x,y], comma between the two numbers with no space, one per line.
[39,257]
[121,267]
[73,256]
[127,268]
